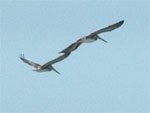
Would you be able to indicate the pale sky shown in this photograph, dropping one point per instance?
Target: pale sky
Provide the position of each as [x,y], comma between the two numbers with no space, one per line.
[97,77]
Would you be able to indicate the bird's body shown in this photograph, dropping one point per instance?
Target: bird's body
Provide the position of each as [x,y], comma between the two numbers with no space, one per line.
[39,69]
[87,39]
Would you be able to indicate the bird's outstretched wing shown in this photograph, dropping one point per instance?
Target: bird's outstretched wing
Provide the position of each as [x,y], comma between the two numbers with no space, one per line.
[58,59]
[71,47]
[28,61]
[109,28]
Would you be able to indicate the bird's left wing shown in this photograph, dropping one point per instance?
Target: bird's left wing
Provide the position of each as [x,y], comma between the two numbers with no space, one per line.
[108,28]
[28,61]
[58,59]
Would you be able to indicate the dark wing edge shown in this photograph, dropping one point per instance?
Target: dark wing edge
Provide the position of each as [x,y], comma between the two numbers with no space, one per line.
[76,44]
[108,28]
[28,61]
[67,48]
[58,59]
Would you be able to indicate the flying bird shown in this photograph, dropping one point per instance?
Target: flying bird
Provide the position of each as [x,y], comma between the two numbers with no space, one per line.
[45,67]
[91,37]
[94,36]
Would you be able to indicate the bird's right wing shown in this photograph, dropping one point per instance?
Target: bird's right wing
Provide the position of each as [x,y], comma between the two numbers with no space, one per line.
[28,61]
[58,59]
[108,28]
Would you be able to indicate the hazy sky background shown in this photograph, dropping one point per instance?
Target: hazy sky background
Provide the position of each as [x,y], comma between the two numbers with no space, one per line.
[97,77]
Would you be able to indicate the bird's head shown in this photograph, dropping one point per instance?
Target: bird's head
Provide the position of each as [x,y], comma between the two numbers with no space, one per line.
[36,69]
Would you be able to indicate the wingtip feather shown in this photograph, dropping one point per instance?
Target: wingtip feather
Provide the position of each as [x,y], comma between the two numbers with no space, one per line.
[121,22]
[21,56]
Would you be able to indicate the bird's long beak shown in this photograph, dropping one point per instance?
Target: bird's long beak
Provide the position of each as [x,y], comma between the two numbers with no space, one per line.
[102,39]
[55,70]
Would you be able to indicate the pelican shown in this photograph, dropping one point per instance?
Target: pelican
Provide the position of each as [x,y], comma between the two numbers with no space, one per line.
[71,47]
[91,37]
[45,67]
[94,36]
